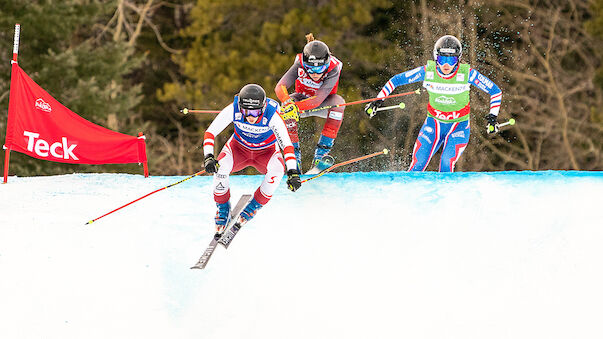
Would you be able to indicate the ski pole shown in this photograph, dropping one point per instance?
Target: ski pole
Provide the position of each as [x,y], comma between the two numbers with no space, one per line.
[510,122]
[417,91]
[187,111]
[144,196]
[400,106]
[384,151]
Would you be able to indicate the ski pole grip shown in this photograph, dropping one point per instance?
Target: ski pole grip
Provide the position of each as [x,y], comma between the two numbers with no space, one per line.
[511,122]
[400,106]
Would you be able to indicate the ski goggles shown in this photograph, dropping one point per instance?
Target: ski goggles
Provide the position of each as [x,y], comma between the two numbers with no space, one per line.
[450,60]
[316,69]
[254,112]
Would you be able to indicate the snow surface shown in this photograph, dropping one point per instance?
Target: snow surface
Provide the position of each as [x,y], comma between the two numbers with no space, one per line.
[363,255]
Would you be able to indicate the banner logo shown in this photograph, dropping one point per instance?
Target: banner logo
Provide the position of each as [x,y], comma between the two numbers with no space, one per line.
[43,105]
[44,149]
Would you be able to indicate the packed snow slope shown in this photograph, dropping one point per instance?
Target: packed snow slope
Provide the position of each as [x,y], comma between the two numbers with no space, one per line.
[362,255]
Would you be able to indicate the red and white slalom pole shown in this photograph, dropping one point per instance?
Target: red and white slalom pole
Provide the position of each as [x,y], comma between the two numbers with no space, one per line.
[15,55]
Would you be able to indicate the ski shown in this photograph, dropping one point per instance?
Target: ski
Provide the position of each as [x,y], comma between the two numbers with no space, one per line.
[206,255]
[230,233]
[324,163]
[214,241]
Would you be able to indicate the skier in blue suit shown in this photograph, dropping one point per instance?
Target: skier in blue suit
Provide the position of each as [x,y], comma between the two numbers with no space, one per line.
[447,125]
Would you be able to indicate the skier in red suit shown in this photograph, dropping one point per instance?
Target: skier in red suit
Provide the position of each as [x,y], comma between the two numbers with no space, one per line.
[315,74]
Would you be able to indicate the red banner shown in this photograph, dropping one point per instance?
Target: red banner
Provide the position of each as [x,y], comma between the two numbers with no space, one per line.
[39,126]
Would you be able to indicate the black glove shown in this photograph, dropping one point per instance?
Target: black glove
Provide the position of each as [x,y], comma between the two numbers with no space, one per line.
[492,126]
[371,107]
[293,180]
[211,164]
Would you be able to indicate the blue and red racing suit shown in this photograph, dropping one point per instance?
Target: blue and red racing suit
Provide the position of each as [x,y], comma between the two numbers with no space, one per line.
[448,128]
[255,145]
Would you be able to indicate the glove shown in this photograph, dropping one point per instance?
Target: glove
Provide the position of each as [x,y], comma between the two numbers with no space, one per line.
[211,164]
[290,111]
[492,126]
[371,107]
[293,180]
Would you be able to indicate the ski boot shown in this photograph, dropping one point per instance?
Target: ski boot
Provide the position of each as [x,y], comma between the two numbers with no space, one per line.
[297,152]
[222,218]
[248,212]
[322,160]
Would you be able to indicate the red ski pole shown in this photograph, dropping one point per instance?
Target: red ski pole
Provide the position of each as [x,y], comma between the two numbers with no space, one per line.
[417,91]
[146,195]
[187,111]
[385,151]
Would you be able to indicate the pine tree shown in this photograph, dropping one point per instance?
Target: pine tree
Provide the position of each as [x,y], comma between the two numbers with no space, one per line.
[239,42]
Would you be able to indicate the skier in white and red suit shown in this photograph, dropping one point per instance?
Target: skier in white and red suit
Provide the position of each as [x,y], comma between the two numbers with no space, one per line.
[315,74]
[257,129]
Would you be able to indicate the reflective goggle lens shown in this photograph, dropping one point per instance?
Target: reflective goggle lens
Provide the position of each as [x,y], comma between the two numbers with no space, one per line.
[316,69]
[253,112]
[450,60]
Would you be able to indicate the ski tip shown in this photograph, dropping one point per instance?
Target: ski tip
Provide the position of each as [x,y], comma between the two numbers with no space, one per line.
[312,171]
[199,265]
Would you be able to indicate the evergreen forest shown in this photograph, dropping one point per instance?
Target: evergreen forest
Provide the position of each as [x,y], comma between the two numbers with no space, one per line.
[132,65]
